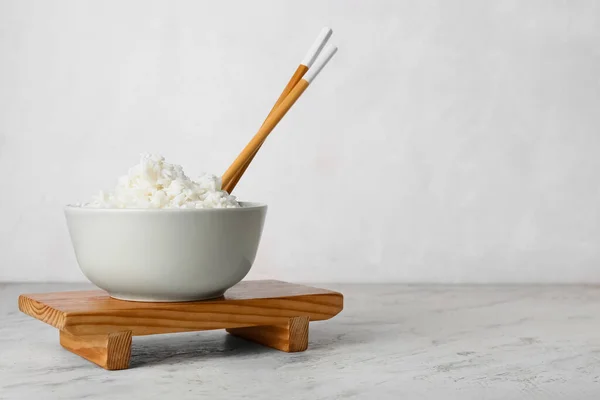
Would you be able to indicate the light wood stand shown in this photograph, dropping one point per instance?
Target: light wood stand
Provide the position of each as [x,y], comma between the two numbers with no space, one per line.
[99,328]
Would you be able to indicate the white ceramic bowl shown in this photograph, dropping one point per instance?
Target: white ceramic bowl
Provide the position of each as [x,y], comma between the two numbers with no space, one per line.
[166,255]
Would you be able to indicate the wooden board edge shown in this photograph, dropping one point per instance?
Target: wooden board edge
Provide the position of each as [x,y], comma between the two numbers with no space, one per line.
[337,306]
[42,312]
[341,304]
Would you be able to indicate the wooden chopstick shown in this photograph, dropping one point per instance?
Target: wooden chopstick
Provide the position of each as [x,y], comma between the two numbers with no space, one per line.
[273,119]
[300,71]
[304,66]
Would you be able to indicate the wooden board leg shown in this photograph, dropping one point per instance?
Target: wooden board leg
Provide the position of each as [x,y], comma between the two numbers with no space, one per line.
[291,337]
[110,351]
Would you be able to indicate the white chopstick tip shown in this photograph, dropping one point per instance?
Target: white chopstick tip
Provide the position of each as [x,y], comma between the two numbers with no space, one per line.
[326,33]
[326,55]
[317,46]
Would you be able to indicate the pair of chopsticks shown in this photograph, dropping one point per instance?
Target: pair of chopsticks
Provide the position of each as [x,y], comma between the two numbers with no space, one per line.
[306,72]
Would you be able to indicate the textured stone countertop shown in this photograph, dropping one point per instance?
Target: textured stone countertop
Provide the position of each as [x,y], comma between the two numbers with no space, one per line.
[390,342]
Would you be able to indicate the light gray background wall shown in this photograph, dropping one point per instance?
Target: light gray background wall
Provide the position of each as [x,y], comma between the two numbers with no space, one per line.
[448,141]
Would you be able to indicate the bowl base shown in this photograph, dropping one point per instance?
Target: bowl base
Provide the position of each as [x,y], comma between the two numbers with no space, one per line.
[165,299]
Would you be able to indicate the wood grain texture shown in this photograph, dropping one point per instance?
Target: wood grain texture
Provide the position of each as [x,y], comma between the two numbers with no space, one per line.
[111,351]
[251,303]
[291,337]
[296,77]
[262,133]
[99,328]
[41,311]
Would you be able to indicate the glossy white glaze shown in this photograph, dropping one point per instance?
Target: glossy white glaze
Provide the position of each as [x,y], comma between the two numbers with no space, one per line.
[166,255]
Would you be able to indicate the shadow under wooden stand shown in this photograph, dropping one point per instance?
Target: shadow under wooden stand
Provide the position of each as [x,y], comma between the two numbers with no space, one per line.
[99,328]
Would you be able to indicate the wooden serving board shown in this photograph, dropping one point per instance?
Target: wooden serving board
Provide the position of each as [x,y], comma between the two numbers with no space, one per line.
[99,328]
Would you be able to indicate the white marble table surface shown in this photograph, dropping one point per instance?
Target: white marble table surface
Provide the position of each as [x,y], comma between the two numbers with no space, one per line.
[390,342]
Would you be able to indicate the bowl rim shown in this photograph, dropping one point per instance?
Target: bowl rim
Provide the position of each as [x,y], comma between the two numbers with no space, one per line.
[246,206]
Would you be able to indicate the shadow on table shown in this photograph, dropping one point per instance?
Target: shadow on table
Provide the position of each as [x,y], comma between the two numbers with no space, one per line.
[181,347]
